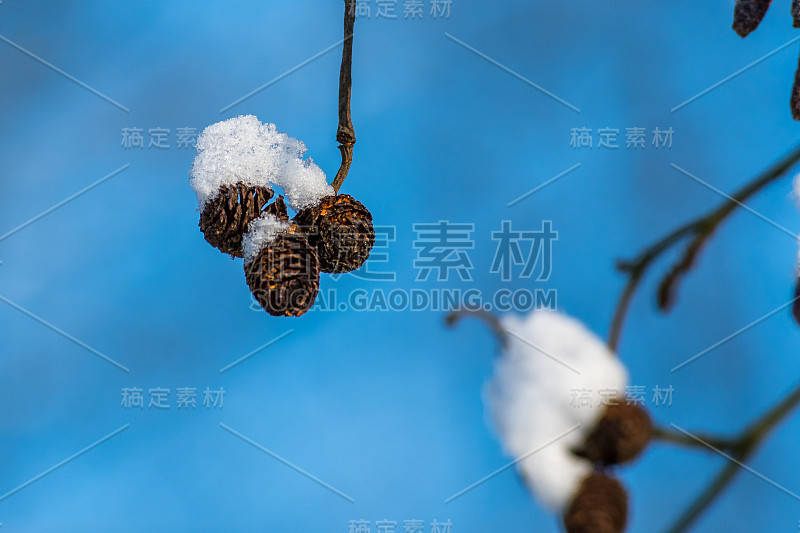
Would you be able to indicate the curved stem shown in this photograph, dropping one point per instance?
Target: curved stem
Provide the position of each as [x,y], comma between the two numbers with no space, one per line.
[346,135]
[488,318]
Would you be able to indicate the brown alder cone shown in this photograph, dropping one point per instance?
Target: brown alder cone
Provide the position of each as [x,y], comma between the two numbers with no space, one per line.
[284,276]
[796,13]
[620,435]
[340,229]
[748,14]
[600,506]
[226,216]
[278,209]
[795,100]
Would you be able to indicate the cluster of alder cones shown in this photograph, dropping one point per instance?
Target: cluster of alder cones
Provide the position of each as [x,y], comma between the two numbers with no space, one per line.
[334,236]
[601,503]
[747,15]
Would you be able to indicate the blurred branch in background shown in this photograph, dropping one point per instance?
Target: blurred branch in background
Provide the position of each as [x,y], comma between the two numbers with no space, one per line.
[671,436]
[740,450]
[346,135]
[695,235]
[698,233]
[487,317]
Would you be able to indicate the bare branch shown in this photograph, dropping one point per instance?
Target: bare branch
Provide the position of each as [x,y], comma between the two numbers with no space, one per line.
[670,436]
[487,317]
[742,448]
[697,233]
[346,135]
[700,231]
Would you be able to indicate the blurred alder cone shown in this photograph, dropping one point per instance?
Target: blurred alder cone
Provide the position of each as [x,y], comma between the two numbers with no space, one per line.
[796,305]
[225,217]
[747,15]
[600,506]
[621,434]
[284,275]
[340,229]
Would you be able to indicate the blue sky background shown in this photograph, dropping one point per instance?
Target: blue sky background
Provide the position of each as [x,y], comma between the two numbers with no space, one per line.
[385,406]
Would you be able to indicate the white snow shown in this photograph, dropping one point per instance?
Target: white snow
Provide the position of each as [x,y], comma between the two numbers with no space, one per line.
[243,149]
[260,232]
[530,399]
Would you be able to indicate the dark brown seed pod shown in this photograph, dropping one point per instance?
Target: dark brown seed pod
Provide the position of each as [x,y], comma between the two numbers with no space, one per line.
[795,100]
[796,13]
[619,436]
[748,14]
[284,276]
[226,216]
[340,229]
[278,209]
[600,506]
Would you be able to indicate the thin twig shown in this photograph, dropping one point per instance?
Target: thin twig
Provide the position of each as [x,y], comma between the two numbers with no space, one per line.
[675,437]
[743,448]
[487,317]
[700,230]
[704,500]
[346,134]
[636,270]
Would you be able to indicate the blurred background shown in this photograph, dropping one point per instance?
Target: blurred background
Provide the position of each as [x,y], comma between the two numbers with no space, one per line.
[384,406]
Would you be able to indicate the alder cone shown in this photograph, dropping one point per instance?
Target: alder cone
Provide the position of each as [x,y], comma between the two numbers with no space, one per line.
[284,276]
[278,209]
[340,229]
[748,14]
[225,217]
[600,506]
[794,101]
[620,435]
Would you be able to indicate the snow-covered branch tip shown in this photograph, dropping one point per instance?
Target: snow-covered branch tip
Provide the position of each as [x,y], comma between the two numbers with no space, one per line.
[238,164]
[547,356]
